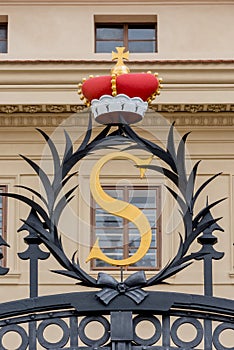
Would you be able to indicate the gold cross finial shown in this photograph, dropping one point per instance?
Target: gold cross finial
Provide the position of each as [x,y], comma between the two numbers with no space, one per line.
[120,55]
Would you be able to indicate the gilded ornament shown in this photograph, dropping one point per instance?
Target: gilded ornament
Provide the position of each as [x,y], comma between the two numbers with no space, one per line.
[193,108]
[9,109]
[171,108]
[120,208]
[216,108]
[55,108]
[120,55]
[32,109]
[113,85]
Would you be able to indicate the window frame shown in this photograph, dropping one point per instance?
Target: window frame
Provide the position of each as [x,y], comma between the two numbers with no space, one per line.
[158,228]
[125,26]
[4,189]
[5,26]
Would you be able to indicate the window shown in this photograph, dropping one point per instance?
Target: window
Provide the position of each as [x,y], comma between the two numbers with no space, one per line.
[135,33]
[119,238]
[3,34]
[3,37]
[3,217]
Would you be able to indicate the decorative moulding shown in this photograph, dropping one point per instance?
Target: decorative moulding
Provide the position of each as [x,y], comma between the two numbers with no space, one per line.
[117,2]
[75,108]
[63,73]
[51,115]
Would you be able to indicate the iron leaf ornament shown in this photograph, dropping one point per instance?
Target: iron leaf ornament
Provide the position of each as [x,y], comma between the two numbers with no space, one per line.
[49,208]
[3,270]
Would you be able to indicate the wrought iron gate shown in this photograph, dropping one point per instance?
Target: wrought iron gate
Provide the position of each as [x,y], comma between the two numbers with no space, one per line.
[73,313]
[119,307]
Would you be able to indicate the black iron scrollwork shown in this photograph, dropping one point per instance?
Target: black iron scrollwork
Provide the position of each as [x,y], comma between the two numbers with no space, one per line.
[186,198]
[3,270]
[45,221]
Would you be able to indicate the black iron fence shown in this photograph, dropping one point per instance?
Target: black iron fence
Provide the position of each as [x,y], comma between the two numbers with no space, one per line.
[164,313]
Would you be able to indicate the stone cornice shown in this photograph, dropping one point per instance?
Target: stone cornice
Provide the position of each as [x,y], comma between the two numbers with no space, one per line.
[117,2]
[52,72]
[51,115]
[100,61]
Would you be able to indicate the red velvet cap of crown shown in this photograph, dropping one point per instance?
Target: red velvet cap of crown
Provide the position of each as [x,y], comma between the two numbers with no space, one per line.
[142,85]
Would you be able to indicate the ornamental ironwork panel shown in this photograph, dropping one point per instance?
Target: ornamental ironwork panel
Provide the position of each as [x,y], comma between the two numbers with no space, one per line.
[73,313]
[119,307]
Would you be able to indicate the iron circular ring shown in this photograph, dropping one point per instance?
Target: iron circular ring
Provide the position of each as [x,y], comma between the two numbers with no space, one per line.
[183,320]
[218,330]
[56,321]
[17,329]
[94,342]
[157,334]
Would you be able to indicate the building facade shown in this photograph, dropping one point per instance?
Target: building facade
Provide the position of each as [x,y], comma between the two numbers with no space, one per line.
[47,48]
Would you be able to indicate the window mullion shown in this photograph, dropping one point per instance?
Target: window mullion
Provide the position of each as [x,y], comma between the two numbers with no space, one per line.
[158,249]
[4,223]
[125,27]
[125,228]
[156,38]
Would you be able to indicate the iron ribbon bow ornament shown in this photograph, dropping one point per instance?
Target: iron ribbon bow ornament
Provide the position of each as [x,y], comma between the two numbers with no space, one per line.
[130,287]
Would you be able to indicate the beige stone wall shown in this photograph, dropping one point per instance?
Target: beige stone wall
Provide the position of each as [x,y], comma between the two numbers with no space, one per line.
[52,30]
[197,95]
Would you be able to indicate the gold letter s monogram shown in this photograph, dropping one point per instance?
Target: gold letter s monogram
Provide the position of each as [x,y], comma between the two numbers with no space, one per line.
[120,208]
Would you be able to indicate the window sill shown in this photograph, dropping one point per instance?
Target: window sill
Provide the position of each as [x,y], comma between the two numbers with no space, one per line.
[10,278]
